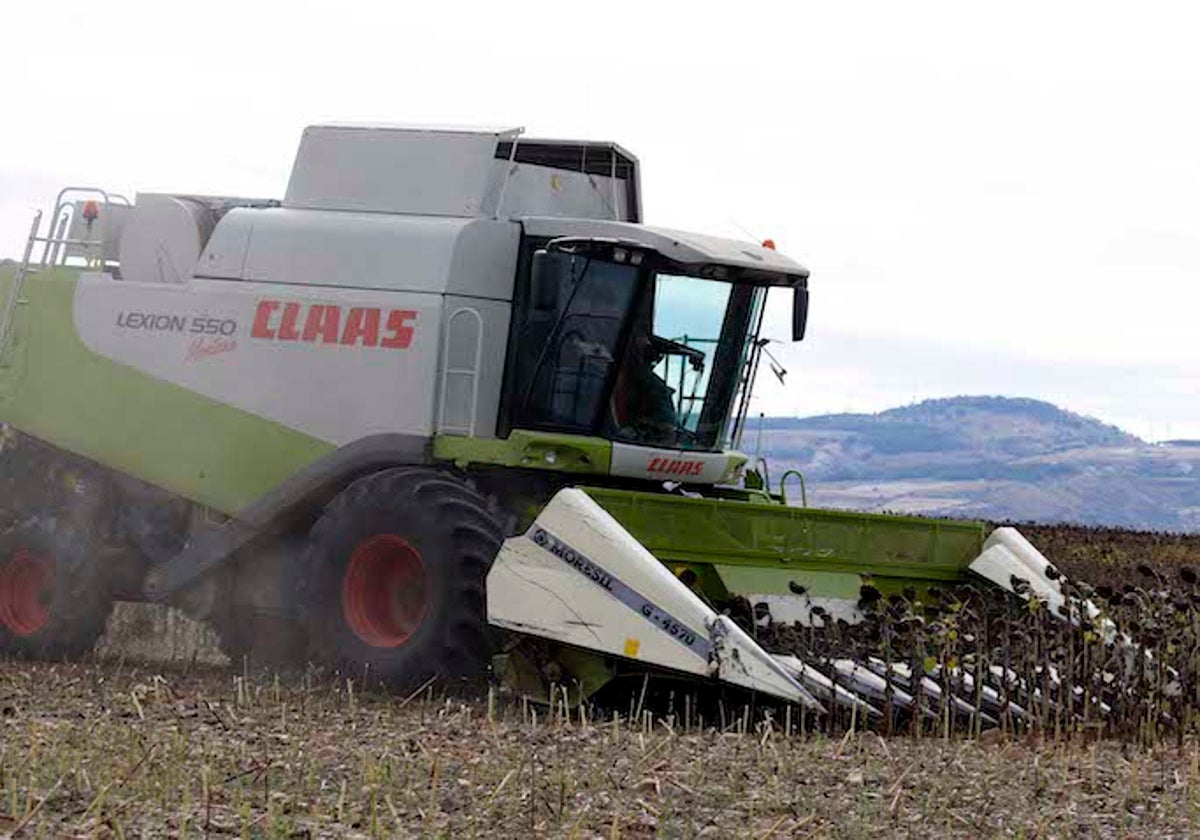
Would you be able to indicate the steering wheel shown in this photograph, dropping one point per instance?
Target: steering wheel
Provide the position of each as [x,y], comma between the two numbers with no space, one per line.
[685,435]
[666,347]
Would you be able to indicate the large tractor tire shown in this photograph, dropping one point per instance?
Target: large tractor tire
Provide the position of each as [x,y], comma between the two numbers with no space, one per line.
[55,597]
[395,578]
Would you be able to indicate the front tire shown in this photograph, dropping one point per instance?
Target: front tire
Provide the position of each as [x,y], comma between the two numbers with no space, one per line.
[55,597]
[395,578]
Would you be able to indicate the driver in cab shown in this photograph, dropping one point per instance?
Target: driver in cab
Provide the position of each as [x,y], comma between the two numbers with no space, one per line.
[643,404]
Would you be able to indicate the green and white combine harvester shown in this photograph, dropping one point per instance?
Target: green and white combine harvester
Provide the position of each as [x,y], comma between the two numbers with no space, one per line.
[448,403]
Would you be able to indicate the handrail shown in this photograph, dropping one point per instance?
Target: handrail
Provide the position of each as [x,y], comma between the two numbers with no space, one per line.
[54,243]
[761,460]
[52,240]
[472,373]
[509,168]
[783,487]
[18,286]
[59,235]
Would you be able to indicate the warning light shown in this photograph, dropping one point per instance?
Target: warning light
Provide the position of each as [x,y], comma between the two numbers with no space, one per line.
[91,210]
[769,244]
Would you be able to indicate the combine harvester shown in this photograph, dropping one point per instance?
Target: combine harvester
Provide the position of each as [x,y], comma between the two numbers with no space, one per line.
[448,403]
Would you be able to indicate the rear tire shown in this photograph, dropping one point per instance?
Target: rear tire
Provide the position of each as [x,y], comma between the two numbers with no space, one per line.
[395,575]
[55,596]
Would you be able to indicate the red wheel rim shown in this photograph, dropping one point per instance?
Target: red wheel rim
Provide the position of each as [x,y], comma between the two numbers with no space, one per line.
[26,588]
[384,591]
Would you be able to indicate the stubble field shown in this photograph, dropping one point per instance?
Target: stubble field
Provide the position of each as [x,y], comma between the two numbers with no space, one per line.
[155,736]
[115,750]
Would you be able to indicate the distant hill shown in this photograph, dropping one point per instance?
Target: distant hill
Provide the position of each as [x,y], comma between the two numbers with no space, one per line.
[989,457]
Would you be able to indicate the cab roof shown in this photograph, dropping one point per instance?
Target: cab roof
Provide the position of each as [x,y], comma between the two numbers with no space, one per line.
[687,249]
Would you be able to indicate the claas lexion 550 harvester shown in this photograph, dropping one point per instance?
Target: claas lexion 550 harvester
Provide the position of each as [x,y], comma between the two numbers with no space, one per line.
[448,404]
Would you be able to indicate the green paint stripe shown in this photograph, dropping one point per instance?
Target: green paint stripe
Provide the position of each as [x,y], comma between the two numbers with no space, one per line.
[59,391]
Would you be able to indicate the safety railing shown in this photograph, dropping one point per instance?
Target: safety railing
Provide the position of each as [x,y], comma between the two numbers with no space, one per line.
[57,246]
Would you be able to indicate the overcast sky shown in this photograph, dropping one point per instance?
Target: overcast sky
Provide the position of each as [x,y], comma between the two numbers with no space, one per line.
[992,200]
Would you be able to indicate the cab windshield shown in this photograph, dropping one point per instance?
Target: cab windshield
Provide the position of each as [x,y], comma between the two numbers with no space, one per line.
[637,355]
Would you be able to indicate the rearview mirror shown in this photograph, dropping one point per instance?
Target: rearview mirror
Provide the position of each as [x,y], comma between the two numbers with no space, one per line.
[544,279]
[799,313]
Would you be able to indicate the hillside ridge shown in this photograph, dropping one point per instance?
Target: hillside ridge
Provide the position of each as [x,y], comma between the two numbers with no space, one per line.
[990,457]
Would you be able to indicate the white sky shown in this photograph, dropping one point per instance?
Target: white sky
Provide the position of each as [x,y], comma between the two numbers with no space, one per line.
[1000,199]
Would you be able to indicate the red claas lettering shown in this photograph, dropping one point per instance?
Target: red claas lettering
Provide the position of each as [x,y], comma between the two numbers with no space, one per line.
[675,467]
[287,324]
[362,327]
[262,319]
[400,332]
[324,323]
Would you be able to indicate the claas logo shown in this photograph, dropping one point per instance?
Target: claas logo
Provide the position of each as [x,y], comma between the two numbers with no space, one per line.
[675,467]
[323,323]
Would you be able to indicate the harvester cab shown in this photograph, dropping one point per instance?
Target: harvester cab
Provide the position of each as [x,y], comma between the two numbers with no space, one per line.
[447,402]
[626,336]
